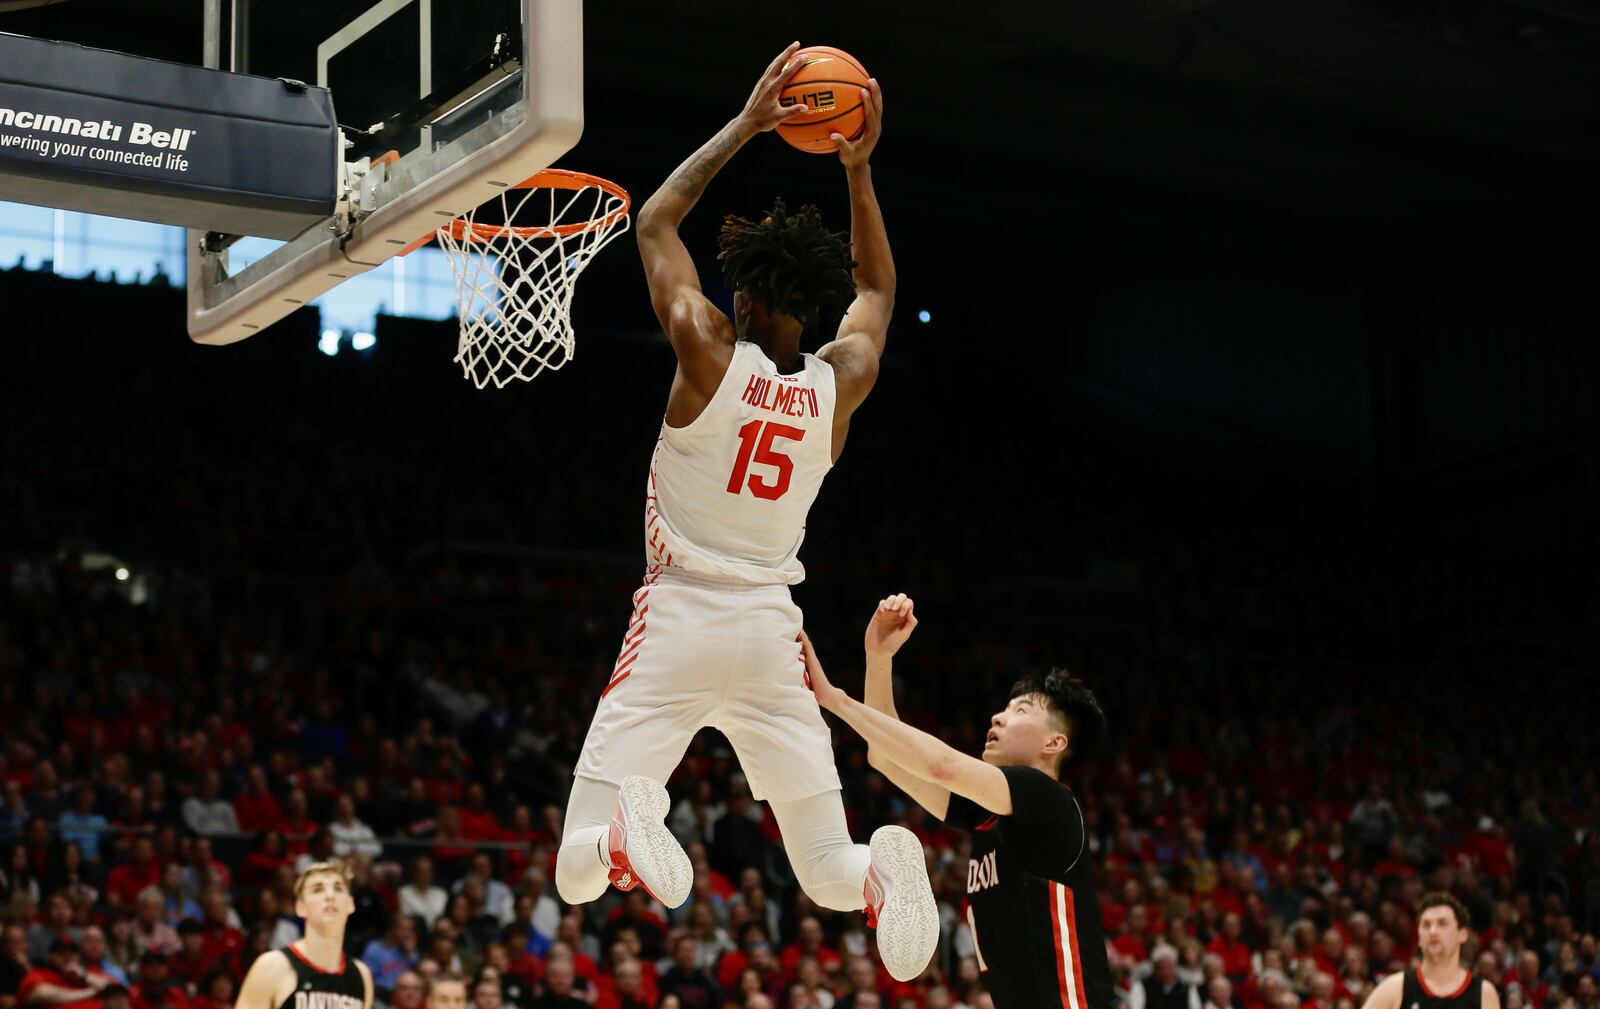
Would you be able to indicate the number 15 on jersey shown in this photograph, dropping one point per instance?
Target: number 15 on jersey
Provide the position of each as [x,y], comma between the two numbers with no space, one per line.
[755,445]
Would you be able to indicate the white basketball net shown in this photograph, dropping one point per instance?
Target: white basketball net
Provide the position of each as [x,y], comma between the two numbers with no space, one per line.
[514,280]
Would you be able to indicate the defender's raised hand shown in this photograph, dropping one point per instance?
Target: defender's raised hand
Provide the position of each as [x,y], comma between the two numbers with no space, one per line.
[891,624]
[762,111]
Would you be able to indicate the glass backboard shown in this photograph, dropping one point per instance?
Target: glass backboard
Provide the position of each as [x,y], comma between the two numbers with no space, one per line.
[443,104]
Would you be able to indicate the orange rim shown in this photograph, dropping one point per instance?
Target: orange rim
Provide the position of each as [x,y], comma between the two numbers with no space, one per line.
[550,178]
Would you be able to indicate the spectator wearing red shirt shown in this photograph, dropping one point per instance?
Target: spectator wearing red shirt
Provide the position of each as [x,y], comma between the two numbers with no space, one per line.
[444,780]
[1231,948]
[216,991]
[807,943]
[1526,977]
[522,832]
[627,989]
[1488,844]
[256,808]
[297,827]
[1354,974]
[154,989]
[1114,913]
[1321,994]
[190,964]
[478,822]
[62,983]
[1329,956]
[1131,941]
[735,961]
[450,848]
[261,866]
[140,871]
[221,940]
[1394,865]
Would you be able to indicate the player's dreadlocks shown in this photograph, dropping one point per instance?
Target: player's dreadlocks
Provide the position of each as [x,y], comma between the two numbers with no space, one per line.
[789,262]
[1067,696]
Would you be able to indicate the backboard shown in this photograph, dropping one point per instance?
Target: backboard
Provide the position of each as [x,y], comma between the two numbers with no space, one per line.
[443,104]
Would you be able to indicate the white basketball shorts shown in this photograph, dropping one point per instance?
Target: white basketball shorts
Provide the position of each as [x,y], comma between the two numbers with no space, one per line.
[700,653]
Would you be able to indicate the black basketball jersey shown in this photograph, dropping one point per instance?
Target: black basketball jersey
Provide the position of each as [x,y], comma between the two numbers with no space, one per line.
[1031,900]
[315,988]
[1417,995]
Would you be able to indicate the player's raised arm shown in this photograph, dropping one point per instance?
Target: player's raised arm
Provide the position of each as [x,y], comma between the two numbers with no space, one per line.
[701,336]
[917,753]
[854,353]
[891,624]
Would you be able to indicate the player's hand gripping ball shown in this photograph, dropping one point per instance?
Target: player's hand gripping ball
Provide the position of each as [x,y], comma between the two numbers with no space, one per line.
[828,82]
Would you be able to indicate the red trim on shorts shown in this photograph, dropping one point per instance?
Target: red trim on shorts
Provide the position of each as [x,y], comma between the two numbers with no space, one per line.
[1062,983]
[633,638]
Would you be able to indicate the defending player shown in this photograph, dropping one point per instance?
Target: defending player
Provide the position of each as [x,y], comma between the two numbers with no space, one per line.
[1031,900]
[1439,981]
[312,972]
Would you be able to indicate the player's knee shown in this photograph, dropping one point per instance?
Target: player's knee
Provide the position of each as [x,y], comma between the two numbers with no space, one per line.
[826,890]
[577,881]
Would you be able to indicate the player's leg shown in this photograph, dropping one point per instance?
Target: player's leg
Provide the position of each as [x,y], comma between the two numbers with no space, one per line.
[889,877]
[774,723]
[667,679]
[583,868]
[829,867]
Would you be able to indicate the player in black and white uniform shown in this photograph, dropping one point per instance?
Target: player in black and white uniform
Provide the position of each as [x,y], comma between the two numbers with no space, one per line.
[1439,981]
[312,972]
[1031,899]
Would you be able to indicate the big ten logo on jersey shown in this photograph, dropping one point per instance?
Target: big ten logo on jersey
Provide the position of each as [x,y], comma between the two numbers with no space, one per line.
[982,873]
[815,99]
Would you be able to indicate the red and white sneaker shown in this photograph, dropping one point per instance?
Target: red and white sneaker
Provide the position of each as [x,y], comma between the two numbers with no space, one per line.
[641,848]
[900,903]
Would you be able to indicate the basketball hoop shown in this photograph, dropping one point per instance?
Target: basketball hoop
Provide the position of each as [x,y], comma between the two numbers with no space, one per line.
[514,281]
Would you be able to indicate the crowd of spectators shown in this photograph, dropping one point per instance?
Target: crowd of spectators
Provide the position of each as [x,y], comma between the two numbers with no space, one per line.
[232,647]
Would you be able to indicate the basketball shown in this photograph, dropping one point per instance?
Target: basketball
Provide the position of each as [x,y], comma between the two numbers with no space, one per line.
[829,81]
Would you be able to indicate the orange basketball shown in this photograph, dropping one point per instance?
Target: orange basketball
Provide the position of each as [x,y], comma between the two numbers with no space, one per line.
[829,82]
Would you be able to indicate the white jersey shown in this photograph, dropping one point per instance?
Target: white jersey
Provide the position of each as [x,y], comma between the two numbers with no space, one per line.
[730,491]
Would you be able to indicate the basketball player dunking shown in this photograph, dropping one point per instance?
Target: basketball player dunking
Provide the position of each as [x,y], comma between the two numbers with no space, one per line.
[312,972]
[752,427]
[1439,981]
[1031,899]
